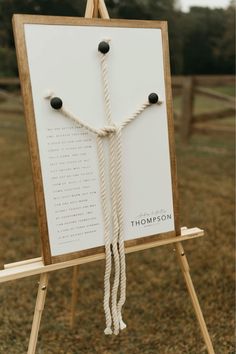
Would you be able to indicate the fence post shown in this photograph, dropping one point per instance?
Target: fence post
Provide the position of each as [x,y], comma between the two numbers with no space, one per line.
[187,108]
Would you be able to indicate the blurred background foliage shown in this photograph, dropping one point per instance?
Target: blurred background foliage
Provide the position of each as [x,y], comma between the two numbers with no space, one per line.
[201,40]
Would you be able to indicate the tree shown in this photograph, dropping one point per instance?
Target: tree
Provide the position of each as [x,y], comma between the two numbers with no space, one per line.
[201,41]
[204,41]
[36,7]
[225,49]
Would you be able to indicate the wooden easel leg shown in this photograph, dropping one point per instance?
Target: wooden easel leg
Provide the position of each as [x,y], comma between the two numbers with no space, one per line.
[95,7]
[185,270]
[42,291]
[74,295]
[89,9]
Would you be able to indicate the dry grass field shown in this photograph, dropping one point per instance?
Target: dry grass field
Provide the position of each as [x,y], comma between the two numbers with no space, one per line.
[158,311]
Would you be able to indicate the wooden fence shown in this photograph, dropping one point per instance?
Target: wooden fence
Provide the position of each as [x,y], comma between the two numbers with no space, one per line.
[186,121]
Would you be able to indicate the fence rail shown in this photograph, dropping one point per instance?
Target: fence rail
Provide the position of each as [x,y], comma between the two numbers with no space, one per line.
[186,121]
[7,81]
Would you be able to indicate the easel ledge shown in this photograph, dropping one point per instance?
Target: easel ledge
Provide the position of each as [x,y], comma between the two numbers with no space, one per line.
[18,270]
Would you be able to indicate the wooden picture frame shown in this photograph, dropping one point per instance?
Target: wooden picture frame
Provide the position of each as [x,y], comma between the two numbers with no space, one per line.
[18,24]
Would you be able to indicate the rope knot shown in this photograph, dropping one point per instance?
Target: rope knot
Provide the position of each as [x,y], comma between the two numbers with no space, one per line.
[107,130]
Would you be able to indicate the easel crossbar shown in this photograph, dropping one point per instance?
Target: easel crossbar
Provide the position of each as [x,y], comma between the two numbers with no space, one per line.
[35,266]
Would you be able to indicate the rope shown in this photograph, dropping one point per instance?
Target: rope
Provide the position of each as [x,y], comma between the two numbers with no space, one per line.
[121,231]
[133,116]
[106,301]
[113,131]
[113,172]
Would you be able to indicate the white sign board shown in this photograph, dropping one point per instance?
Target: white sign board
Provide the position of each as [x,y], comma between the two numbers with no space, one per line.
[64,58]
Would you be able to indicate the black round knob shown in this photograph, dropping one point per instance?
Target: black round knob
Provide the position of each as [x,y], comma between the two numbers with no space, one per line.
[103,47]
[56,103]
[153,98]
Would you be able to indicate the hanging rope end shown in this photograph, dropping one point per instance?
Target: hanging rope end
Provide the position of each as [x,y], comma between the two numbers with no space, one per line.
[107,331]
[48,94]
[122,324]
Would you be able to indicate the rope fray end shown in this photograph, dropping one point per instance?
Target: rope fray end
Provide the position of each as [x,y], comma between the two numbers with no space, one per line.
[107,331]
[107,39]
[48,94]
[122,324]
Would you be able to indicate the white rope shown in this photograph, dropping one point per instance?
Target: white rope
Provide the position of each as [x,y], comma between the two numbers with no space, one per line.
[106,90]
[113,314]
[135,114]
[113,172]
[102,132]
[106,301]
[121,230]
[118,233]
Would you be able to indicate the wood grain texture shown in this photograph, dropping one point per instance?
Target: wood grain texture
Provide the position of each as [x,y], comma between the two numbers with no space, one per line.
[26,90]
[35,266]
[18,24]
[81,21]
[89,9]
[169,106]
[95,10]
[103,10]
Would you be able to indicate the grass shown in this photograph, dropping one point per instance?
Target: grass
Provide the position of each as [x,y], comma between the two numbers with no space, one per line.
[158,311]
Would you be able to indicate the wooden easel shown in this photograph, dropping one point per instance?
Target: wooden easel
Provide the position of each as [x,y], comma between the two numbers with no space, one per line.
[36,266]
